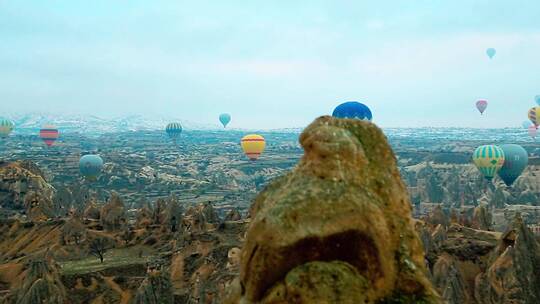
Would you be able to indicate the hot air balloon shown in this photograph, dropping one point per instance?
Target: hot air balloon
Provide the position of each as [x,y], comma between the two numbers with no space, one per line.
[491,52]
[516,160]
[526,124]
[90,166]
[488,159]
[49,134]
[534,116]
[253,145]
[174,129]
[481,105]
[537,99]
[533,131]
[6,126]
[353,109]
[225,119]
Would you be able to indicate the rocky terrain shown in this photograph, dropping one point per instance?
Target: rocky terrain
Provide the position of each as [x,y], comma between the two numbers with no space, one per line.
[176,224]
[471,264]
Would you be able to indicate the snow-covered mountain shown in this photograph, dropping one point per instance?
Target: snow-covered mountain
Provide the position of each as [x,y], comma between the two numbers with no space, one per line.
[30,123]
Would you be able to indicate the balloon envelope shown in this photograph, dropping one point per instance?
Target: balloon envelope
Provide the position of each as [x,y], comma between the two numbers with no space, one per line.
[534,116]
[516,160]
[533,131]
[173,130]
[353,109]
[526,124]
[90,165]
[49,134]
[491,52]
[481,105]
[6,126]
[488,159]
[253,145]
[225,119]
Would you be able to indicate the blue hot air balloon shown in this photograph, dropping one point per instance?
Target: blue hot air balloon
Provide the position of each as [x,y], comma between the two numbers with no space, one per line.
[225,119]
[526,124]
[516,160]
[491,52]
[353,109]
[90,166]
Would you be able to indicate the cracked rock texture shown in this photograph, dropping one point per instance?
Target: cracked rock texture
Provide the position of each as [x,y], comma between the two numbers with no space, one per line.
[336,228]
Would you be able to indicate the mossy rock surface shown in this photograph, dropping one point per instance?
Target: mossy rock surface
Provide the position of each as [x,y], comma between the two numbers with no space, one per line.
[345,202]
[320,282]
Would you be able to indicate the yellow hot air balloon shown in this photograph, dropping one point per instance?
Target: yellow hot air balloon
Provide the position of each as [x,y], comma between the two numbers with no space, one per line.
[534,116]
[253,145]
[488,159]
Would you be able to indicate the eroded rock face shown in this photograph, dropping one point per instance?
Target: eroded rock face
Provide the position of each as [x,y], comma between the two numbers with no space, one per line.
[343,213]
[19,179]
[112,215]
[155,289]
[42,284]
[513,276]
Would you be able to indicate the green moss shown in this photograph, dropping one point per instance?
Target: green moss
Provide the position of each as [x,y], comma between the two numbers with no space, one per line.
[398,298]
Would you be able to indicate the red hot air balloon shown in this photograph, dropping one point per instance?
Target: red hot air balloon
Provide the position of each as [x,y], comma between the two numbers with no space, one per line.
[481,105]
[49,134]
[533,131]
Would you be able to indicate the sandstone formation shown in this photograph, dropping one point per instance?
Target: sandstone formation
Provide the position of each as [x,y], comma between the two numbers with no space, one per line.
[112,215]
[73,231]
[39,206]
[41,284]
[514,274]
[155,289]
[91,210]
[21,179]
[338,227]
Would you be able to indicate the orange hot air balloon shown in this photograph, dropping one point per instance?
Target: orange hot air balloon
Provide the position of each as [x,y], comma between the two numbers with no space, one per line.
[49,134]
[253,146]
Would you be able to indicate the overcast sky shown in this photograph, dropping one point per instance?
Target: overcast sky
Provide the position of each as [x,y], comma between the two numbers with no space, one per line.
[272,64]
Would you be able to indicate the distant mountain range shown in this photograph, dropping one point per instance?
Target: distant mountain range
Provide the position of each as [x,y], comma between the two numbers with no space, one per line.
[30,123]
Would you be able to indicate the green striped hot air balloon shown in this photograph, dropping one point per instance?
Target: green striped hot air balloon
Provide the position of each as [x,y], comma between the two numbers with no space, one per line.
[6,126]
[488,159]
[173,130]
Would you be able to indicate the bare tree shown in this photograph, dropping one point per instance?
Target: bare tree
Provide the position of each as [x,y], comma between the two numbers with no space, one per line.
[98,248]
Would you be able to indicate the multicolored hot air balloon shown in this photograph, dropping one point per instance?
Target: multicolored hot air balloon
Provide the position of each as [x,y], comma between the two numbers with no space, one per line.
[534,116]
[225,119]
[537,99]
[90,166]
[516,160]
[353,109]
[488,159]
[49,134]
[533,131]
[481,105]
[253,145]
[491,52]
[6,126]
[174,129]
